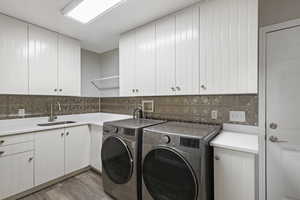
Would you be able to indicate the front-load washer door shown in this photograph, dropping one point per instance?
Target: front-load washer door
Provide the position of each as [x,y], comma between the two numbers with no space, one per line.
[168,176]
[117,160]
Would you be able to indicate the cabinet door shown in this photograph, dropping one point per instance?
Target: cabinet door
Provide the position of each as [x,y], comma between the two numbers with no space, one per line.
[165,56]
[77,148]
[234,175]
[145,61]
[16,174]
[43,66]
[187,52]
[127,64]
[69,67]
[96,145]
[49,156]
[13,56]
[228,46]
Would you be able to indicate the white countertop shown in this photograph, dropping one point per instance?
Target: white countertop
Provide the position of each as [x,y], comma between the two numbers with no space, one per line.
[28,125]
[236,141]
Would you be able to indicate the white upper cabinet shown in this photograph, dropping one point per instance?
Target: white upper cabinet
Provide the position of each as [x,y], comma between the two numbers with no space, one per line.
[13,56]
[228,46]
[43,61]
[165,56]
[145,61]
[210,48]
[69,67]
[187,52]
[127,64]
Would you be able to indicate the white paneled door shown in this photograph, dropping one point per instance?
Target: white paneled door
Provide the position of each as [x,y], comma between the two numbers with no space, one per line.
[16,173]
[165,56]
[283,122]
[77,148]
[43,61]
[228,46]
[234,175]
[49,155]
[187,52]
[145,61]
[127,64]
[69,68]
[13,56]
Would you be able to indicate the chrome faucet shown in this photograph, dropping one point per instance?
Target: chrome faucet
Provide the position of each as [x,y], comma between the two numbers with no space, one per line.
[52,117]
[138,113]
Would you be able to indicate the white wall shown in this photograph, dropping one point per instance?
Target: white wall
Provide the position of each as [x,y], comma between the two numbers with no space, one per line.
[109,62]
[90,69]
[95,66]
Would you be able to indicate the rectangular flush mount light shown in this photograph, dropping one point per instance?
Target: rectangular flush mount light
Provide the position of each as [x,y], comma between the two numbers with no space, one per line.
[86,10]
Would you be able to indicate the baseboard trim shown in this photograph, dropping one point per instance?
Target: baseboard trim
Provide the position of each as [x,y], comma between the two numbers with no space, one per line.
[95,170]
[48,184]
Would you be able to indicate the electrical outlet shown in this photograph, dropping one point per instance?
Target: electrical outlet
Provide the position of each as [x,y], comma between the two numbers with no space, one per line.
[237,116]
[21,112]
[214,114]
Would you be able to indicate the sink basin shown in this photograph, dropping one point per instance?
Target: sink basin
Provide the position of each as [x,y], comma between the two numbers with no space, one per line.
[56,123]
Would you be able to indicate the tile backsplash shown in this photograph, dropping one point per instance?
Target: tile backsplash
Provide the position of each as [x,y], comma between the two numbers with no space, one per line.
[189,108]
[38,106]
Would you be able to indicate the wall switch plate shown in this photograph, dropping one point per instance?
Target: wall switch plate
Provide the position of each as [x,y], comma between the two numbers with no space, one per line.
[21,112]
[214,114]
[237,116]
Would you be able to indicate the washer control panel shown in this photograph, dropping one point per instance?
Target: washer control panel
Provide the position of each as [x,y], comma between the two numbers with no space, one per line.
[165,139]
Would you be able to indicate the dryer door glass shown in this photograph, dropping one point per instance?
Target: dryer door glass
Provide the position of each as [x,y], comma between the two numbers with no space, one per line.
[117,160]
[168,176]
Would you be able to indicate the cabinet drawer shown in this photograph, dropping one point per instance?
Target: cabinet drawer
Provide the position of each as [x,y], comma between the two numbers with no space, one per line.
[15,139]
[17,148]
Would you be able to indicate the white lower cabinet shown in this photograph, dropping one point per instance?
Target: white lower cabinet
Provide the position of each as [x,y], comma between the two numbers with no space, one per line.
[59,152]
[49,155]
[234,175]
[96,144]
[77,148]
[16,173]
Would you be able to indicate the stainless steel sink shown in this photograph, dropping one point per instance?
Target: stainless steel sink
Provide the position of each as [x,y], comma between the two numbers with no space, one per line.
[57,123]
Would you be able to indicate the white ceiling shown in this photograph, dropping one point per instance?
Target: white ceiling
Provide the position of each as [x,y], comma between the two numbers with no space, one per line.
[103,33]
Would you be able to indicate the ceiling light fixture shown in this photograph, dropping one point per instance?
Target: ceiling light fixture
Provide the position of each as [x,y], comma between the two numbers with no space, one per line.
[85,11]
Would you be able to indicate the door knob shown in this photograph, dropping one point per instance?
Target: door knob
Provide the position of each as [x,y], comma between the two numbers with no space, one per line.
[275,139]
[273,126]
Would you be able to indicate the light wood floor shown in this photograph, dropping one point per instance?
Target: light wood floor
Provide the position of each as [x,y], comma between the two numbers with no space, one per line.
[86,186]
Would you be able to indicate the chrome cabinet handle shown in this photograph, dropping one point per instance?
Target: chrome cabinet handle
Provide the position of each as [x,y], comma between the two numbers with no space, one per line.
[203,87]
[173,89]
[30,159]
[137,90]
[275,139]
[2,142]
[55,90]
[2,152]
[178,88]
[217,158]
[133,90]
[62,134]
[67,133]
[60,90]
